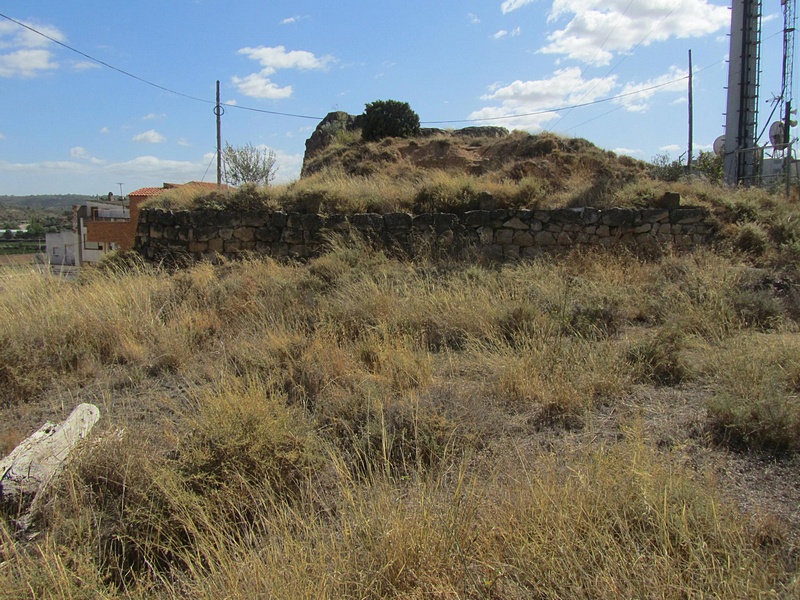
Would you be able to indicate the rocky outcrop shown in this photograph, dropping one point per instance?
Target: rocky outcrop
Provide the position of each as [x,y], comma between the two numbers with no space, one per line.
[326,131]
[340,121]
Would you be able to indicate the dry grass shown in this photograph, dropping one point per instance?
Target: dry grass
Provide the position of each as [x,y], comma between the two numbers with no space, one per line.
[360,426]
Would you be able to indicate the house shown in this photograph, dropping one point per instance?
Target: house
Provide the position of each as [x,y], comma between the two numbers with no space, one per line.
[61,247]
[111,225]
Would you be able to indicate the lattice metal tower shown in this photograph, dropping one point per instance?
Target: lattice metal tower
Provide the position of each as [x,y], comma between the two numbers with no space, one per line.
[739,162]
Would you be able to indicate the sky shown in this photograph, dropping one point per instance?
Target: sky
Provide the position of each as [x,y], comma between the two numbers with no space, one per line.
[120,95]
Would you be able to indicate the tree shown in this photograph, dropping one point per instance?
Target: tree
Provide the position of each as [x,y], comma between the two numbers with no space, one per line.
[389,118]
[249,164]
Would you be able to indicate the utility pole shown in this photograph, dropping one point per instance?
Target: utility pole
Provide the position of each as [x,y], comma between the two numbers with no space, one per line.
[218,111]
[691,118]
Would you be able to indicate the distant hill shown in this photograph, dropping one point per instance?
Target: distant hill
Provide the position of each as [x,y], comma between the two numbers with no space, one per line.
[45,201]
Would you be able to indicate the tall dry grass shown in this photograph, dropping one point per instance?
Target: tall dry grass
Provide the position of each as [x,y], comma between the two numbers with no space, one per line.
[361,426]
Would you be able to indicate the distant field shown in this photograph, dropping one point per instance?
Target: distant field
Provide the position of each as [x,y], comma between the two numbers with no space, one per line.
[17,259]
[21,247]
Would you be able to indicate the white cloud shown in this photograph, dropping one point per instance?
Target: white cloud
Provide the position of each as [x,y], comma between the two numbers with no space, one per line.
[634,96]
[294,19]
[473,18]
[509,5]
[79,152]
[153,116]
[151,137]
[85,65]
[2,136]
[277,57]
[503,33]
[600,29]
[93,177]
[542,96]
[184,142]
[26,63]
[104,130]
[25,53]
[289,166]
[259,85]
[671,148]
[626,151]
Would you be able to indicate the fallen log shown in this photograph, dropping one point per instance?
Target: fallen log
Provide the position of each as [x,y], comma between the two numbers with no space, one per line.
[33,465]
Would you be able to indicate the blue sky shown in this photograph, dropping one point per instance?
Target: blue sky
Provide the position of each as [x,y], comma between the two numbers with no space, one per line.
[72,125]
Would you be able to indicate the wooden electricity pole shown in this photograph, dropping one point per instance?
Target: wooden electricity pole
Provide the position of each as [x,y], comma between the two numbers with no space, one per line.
[691,118]
[218,112]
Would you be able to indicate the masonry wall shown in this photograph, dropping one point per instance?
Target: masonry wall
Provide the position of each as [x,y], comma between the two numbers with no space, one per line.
[499,234]
[122,233]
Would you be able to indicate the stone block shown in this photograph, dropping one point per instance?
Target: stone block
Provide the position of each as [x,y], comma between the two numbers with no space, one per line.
[367,222]
[423,221]
[511,252]
[591,216]
[444,221]
[564,239]
[216,244]
[278,219]
[198,246]
[267,234]
[515,223]
[254,219]
[544,238]
[312,222]
[685,216]
[567,215]
[337,223]
[397,221]
[244,234]
[523,239]
[226,233]
[477,218]
[503,236]
[618,217]
[292,236]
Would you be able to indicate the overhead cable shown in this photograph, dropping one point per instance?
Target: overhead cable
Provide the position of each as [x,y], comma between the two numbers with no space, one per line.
[316,118]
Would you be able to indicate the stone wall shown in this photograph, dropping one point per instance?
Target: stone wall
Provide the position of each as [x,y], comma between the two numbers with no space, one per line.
[499,234]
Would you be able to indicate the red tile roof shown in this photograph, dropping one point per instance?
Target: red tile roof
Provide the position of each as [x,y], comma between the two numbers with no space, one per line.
[146,191]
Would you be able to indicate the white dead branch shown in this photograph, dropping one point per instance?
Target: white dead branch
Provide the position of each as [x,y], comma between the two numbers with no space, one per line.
[31,468]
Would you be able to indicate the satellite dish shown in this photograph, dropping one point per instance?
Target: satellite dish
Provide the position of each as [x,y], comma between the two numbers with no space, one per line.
[719,146]
[777,135]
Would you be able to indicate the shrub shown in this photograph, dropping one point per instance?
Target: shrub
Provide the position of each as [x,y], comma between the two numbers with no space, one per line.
[389,118]
[665,169]
[750,238]
[660,359]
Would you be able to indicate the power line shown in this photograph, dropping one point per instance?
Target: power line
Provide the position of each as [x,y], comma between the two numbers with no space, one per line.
[316,118]
[549,110]
[147,82]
